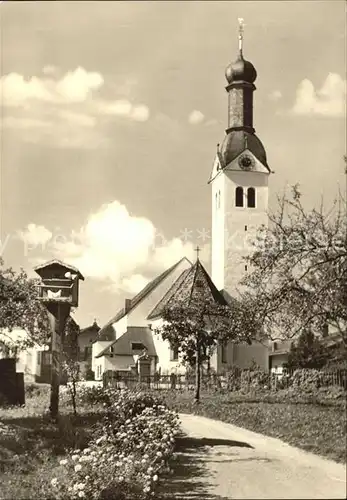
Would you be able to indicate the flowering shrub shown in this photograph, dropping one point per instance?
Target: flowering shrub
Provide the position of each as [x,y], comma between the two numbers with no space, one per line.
[128,452]
[254,379]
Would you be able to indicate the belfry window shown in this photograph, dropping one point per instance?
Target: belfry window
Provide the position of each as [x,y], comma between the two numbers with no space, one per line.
[251,197]
[239,196]
[218,199]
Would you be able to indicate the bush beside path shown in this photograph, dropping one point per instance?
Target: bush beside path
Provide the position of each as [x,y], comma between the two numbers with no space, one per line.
[118,447]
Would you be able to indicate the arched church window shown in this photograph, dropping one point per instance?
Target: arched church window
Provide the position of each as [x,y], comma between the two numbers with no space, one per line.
[218,199]
[239,196]
[251,197]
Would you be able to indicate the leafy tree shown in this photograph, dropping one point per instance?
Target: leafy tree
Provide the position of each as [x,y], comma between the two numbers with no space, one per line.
[21,309]
[298,277]
[196,330]
[307,352]
[70,366]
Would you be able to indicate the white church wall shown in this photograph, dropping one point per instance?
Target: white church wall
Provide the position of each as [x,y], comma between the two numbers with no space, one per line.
[218,222]
[242,224]
[165,365]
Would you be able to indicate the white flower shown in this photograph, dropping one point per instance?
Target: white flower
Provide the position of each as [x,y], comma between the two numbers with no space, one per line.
[75,457]
[155,477]
[63,462]
[54,481]
[81,494]
[78,467]
[80,486]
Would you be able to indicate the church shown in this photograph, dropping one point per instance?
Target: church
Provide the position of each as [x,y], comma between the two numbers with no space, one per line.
[239,193]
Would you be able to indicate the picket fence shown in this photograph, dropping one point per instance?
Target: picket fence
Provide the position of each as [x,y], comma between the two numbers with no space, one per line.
[227,381]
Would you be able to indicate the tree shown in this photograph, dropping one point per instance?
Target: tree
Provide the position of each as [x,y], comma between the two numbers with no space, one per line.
[308,352]
[298,277]
[196,330]
[21,309]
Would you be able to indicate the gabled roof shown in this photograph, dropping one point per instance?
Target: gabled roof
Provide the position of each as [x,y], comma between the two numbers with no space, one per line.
[106,330]
[57,263]
[194,285]
[123,346]
[90,329]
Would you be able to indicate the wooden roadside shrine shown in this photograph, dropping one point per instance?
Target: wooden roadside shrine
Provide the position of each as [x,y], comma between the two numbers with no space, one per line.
[58,291]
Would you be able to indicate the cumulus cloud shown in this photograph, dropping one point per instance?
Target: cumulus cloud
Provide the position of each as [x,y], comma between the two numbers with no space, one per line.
[196,117]
[74,86]
[63,111]
[117,247]
[35,235]
[329,100]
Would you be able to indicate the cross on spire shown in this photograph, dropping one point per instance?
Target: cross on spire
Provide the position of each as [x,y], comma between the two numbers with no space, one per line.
[241,31]
[197,249]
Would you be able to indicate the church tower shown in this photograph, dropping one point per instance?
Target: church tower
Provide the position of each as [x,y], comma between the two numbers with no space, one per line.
[239,180]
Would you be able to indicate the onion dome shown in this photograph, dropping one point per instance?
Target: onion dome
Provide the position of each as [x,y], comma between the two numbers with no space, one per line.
[240,71]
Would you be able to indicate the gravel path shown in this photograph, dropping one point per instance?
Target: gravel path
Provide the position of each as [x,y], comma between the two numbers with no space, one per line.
[218,461]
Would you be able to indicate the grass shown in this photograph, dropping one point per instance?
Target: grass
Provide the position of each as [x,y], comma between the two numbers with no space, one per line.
[31,445]
[316,427]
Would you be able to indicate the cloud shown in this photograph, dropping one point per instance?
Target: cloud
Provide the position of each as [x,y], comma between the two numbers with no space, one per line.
[66,111]
[35,235]
[124,108]
[329,100]
[196,117]
[134,284]
[49,70]
[74,86]
[114,246]
[275,95]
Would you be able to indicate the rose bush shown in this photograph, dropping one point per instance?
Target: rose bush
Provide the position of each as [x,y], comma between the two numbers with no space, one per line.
[129,451]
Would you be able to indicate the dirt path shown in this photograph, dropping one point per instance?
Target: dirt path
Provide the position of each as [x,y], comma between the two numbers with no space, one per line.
[218,461]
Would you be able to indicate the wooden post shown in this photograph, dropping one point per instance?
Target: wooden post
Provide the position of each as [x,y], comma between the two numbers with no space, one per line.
[58,316]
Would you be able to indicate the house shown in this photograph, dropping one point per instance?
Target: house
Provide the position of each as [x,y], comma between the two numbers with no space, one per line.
[121,355]
[28,361]
[85,339]
[134,314]
[35,362]
[278,355]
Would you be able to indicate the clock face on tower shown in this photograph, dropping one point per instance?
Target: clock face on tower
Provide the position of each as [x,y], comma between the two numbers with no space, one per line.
[246,162]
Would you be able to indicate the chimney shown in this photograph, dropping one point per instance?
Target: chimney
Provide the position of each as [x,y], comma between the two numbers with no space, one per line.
[127,305]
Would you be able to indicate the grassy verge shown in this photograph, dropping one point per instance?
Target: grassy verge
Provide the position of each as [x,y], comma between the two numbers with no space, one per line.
[117,447]
[318,427]
[31,445]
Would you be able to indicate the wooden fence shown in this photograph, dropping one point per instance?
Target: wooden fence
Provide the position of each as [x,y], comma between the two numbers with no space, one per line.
[233,380]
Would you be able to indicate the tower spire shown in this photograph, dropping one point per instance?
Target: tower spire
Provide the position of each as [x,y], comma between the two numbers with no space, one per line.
[241,31]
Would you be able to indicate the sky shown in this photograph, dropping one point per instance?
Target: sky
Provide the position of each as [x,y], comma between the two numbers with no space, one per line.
[110,116]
